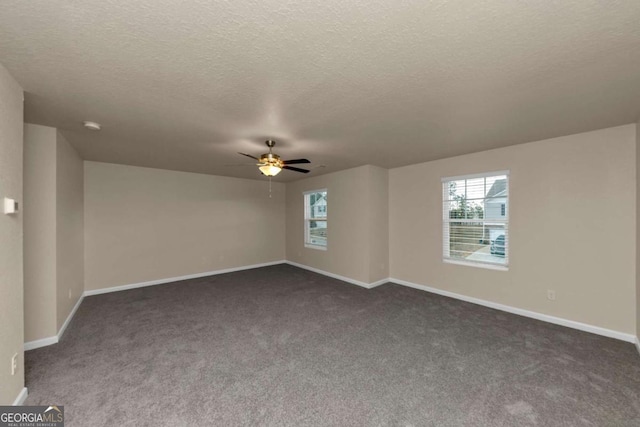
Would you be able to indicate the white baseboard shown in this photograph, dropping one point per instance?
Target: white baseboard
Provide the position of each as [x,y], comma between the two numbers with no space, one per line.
[22,396]
[32,345]
[378,283]
[526,313]
[69,317]
[337,276]
[534,315]
[514,310]
[179,278]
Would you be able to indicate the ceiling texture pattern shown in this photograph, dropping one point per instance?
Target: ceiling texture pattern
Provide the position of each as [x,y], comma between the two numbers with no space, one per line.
[186,85]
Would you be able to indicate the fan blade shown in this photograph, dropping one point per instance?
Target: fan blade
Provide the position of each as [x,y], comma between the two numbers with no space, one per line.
[249,155]
[291,168]
[295,161]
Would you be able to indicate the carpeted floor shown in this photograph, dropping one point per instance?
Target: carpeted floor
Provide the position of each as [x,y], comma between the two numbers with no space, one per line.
[283,346]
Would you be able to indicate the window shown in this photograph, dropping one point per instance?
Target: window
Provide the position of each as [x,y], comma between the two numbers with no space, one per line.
[476,219]
[315,219]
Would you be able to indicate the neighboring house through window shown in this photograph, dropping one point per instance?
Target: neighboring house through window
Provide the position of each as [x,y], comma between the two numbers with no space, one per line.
[315,219]
[475,219]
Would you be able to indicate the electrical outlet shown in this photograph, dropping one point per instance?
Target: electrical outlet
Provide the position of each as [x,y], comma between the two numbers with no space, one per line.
[551,295]
[14,364]
[70,293]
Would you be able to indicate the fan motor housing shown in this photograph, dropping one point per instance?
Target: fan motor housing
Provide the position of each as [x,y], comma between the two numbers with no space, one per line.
[271,159]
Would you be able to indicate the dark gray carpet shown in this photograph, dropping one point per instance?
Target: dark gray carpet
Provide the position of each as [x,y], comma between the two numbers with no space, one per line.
[284,346]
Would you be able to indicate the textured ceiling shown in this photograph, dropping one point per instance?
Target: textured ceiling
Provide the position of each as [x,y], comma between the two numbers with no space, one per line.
[186,85]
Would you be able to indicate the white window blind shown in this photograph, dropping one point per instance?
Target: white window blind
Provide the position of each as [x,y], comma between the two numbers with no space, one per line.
[476,219]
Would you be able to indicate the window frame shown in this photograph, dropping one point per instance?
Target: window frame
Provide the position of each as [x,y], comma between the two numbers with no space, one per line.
[446,220]
[308,218]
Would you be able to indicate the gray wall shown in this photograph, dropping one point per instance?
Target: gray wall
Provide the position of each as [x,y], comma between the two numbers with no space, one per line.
[145,224]
[69,227]
[638,235]
[357,216]
[39,232]
[54,230]
[572,227]
[11,277]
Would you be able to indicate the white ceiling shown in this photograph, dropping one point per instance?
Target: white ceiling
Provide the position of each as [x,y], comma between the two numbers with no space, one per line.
[186,85]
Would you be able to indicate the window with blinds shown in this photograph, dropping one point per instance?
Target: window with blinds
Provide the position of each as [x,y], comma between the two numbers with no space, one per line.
[476,219]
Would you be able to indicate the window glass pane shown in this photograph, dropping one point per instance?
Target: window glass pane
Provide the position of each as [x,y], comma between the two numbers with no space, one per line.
[318,205]
[318,233]
[478,242]
[496,198]
[457,189]
[475,189]
[496,186]
[465,238]
[461,207]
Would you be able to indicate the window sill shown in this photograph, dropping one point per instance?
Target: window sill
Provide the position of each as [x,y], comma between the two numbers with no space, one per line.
[310,246]
[477,264]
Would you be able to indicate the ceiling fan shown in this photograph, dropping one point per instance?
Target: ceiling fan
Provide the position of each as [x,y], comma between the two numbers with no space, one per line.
[271,164]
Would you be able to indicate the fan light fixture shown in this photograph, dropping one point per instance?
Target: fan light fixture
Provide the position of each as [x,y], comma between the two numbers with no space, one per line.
[271,164]
[270,170]
[92,125]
